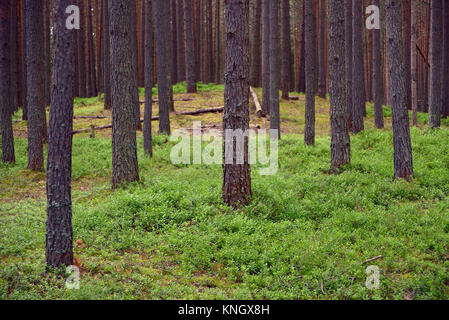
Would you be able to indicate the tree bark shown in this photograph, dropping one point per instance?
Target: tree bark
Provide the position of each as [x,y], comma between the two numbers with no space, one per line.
[445,80]
[436,54]
[35,79]
[322,50]
[59,233]
[414,60]
[8,155]
[358,89]
[377,78]
[255,50]
[107,57]
[286,49]
[149,52]
[236,177]
[340,140]
[403,161]
[275,121]
[266,57]
[81,55]
[406,35]
[311,74]
[190,50]
[348,58]
[123,85]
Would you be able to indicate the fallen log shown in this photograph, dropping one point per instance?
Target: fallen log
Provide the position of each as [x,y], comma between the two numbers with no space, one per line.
[176,100]
[259,111]
[90,117]
[156,118]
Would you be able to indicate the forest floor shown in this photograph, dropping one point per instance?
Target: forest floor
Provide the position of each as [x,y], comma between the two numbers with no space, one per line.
[305,235]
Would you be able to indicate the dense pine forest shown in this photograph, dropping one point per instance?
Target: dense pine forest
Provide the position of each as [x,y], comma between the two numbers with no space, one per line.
[224,149]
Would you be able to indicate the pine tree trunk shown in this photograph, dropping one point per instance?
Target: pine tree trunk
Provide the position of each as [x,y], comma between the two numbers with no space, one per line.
[256,52]
[275,121]
[322,50]
[190,50]
[8,155]
[123,85]
[59,233]
[266,57]
[340,140]
[311,72]
[286,49]
[348,58]
[403,161]
[406,35]
[24,63]
[358,89]
[436,54]
[236,177]
[180,40]
[445,89]
[35,79]
[414,60]
[162,11]
[377,78]
[107,58]
[149,52]
[81,55]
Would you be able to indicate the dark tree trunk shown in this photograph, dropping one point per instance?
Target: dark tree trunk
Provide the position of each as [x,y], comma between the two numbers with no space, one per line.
[218,44]
[107,58]
[162,11]
[275,121]
[340,140]
[81,53]
[286,50]
[14,57]
[403,162]
[35,79]
[436,54]
[377,78]
[134,52]
[189,45]
[123,85]
[24,64]
[236,177]
[406,35]
[414,60]
[174,42]
[255,50]
[149,52]
[209,44]
[358,88]
[445,90]
[180,40]
[322,51]
[266,57]
[5,84]
[311,74]
[302,53]
[59,233]
[91,79]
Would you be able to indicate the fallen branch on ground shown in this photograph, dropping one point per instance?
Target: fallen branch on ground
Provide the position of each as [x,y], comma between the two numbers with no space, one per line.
[156,118]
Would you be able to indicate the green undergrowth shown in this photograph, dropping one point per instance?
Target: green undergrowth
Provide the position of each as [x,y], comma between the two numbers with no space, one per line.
[305,234]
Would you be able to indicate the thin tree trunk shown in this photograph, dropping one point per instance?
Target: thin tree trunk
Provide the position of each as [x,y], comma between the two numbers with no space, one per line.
[190,50]
[436,54]
[286,49]
[149,48]
[236,177]
[340,140]
[322,50]
[348,58]
[81,54]
[266,57]
[358,89]
[255,50]
[162,11]
[414,60]
[377,78]
[8,155]
[107,57]
[445,89]
[275,121]
[406,30]
[311,74]
[403,161]
[35,78]
[59,232]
